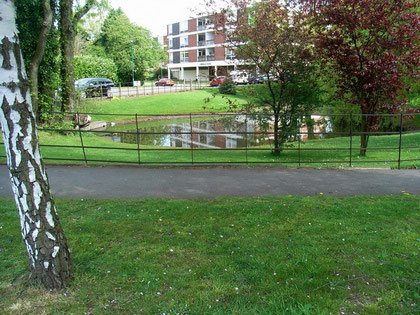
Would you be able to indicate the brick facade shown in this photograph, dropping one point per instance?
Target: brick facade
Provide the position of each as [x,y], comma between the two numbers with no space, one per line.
[192,55]
[192,25]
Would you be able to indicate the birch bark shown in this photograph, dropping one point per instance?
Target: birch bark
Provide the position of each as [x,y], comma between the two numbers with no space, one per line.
[49,256]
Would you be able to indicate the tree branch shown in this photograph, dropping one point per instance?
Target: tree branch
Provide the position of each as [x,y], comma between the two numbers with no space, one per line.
[39,52]
[82,11]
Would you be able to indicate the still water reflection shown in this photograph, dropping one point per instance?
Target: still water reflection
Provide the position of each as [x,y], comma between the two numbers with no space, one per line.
[211,133]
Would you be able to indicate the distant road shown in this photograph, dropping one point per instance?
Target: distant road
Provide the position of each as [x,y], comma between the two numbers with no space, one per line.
[138,182]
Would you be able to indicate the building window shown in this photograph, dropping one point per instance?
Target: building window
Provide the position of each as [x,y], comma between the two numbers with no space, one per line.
[201,52]
[205,23]
[183,27]
[209,39]
[184,41]
[201,39]
[201,55]
[170,29]
[184,56]
[210,54]
[171,43]
[230,55]
[171,57]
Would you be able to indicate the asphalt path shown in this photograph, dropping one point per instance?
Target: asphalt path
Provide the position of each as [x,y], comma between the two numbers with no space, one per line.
[138,182]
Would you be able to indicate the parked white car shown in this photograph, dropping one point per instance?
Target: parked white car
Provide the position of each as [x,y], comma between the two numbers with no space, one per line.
[239,77]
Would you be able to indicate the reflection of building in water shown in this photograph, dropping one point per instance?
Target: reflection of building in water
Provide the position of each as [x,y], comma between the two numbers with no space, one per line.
[204,134]
[321,127]
[222,133]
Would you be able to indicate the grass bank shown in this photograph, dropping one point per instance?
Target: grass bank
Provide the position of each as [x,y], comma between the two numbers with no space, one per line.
[291,255]
[165,104]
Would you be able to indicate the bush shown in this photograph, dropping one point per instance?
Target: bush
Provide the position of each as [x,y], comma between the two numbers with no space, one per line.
[227,87]
[94,67]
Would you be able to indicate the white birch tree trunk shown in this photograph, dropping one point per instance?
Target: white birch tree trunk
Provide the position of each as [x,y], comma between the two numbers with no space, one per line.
[49,256]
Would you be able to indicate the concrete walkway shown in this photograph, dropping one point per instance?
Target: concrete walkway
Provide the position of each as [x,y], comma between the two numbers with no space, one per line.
[134,182]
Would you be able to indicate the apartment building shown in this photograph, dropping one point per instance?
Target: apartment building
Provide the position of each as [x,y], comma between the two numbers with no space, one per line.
[197,51]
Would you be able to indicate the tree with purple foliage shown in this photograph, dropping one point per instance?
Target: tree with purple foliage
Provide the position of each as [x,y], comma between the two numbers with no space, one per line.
[372,46]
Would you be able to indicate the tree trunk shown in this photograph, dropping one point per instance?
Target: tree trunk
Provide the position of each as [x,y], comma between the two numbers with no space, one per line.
[277,148]
[38,55]
[67,53]
[49,257]
[310,126]
[364,138]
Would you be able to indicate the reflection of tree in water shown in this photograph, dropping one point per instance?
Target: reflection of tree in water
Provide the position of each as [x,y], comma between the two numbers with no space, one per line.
[158,136]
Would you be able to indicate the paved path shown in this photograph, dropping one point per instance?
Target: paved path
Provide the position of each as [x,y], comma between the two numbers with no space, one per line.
[132,182]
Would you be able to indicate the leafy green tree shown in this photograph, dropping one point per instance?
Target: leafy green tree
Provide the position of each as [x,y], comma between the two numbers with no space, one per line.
[89,66]
[39,38]
[70,15]
[273,36]
[116,36]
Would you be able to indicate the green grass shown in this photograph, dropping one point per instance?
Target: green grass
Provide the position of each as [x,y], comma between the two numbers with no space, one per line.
[291,255]
[309,156]
[164,104]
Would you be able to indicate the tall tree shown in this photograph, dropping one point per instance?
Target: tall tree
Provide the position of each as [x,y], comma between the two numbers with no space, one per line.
[39,43]
[68,26]
[273,36]
[39,53]
[116,36]
[372,46]
[49,256]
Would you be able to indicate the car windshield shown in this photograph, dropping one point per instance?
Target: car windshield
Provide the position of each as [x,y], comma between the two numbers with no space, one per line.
[81,81]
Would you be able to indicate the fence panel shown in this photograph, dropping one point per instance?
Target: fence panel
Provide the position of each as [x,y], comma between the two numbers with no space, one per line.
[229,138]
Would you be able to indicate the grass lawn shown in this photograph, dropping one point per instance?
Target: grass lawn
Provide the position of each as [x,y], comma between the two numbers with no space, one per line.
[164,104]
[291,255]
[310,156]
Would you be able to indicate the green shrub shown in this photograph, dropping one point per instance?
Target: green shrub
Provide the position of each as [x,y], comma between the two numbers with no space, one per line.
[227,87]
[94,67]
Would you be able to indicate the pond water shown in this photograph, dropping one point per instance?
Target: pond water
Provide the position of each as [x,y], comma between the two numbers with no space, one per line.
[223,132]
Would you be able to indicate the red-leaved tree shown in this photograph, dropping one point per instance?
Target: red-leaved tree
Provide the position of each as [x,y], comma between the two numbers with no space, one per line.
[372,46]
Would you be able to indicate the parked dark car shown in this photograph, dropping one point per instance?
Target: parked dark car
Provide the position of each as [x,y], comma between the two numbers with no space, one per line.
[218,80]
[165,81]
[257,79]
[94,87]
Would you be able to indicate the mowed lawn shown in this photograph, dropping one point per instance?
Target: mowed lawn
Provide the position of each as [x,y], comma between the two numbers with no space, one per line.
[288,255]
[206,100]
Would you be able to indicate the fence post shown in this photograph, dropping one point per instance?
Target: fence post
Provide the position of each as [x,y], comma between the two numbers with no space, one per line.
[81,138]
[138,139]
[119,89]
[191,140]
[246,137]
[299,141]
[137,90]
[101,91]
[128,89]
[400,141]
[191,85]
[152,88]
[351,138]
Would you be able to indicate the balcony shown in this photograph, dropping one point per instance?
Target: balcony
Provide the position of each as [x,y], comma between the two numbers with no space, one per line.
[206,58]
[205,27]
[186,59]
[206,42]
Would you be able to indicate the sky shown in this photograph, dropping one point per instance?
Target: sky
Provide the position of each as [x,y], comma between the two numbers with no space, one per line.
[155,15]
